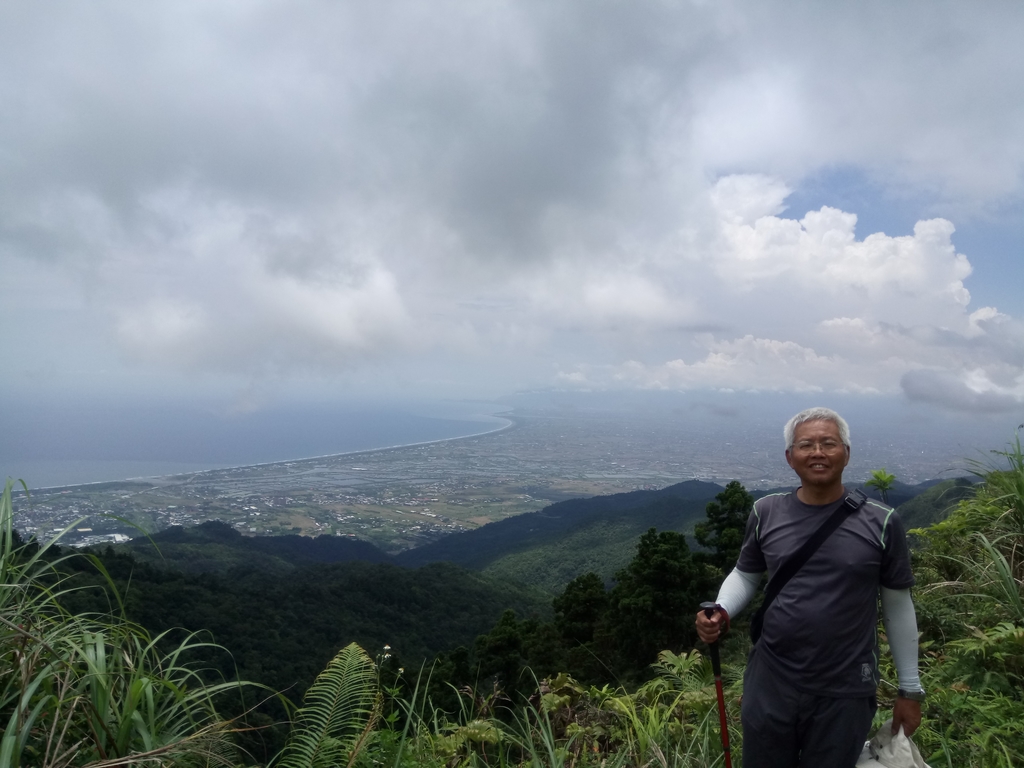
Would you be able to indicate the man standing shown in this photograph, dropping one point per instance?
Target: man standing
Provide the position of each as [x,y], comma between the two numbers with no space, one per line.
[809,687]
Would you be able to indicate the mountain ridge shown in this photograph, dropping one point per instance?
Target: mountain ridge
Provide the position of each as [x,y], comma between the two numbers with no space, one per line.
[546,548]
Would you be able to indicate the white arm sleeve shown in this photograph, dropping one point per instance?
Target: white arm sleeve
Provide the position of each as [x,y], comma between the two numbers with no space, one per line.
[900,623]
[737,589]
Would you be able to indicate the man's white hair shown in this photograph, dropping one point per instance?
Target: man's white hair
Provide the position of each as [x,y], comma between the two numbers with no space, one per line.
[817,414]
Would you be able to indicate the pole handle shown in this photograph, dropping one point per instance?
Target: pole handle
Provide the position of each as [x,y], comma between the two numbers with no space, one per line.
[716,665]
[709,611]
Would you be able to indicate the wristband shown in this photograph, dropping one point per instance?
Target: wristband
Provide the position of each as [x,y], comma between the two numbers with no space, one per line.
[721,610]
[708,607]
[912,695]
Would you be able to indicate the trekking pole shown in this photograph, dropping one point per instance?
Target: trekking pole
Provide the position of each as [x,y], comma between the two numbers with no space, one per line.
[716,665]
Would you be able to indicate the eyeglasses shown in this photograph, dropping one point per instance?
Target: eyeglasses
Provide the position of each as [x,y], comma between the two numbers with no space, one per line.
[810,446]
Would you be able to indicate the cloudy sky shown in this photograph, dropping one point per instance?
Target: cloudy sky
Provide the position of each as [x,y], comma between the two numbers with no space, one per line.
[248,202]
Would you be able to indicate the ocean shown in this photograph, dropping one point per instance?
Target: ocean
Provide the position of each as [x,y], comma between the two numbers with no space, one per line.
[71,446]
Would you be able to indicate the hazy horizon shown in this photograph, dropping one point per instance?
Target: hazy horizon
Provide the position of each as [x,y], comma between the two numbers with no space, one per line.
[72,445]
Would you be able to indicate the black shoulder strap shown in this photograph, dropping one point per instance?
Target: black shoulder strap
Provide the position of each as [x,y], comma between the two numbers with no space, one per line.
[788,569]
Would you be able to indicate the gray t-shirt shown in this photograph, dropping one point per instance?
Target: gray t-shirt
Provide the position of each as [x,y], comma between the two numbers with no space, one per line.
[821,630]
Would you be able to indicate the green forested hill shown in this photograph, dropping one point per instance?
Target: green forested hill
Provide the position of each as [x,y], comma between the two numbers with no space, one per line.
[901,493]
[935,503]
[283,605]
[282,626]
[551,547]
[603,544]
[215,547]
[562,540]
[547,548]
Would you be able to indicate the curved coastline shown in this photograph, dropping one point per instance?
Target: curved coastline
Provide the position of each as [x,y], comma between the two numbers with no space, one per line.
[509,422]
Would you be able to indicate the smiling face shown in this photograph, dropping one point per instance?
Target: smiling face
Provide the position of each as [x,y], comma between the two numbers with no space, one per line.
[819,457]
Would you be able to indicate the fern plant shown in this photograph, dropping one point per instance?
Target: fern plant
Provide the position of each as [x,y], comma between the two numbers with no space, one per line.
[338,714]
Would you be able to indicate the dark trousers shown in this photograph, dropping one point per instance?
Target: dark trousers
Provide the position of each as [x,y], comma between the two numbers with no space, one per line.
[783,727]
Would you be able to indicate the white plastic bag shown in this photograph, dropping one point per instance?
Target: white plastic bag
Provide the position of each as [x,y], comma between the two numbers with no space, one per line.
[888,750]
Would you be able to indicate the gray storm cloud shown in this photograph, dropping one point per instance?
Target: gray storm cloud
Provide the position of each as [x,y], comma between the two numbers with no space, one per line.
[503,195]
[947,389]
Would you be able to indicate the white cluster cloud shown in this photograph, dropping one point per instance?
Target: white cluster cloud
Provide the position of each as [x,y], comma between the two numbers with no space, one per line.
[896,279]
[506,195]
[846,315]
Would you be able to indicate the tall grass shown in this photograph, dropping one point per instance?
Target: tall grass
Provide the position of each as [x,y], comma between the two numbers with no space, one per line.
[970,599]
[670,722]
[90,689]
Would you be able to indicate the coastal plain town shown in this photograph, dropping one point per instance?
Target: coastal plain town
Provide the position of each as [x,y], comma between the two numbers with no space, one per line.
[398,498]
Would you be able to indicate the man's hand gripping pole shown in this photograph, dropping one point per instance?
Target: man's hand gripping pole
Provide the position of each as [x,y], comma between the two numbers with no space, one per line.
[716,665]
